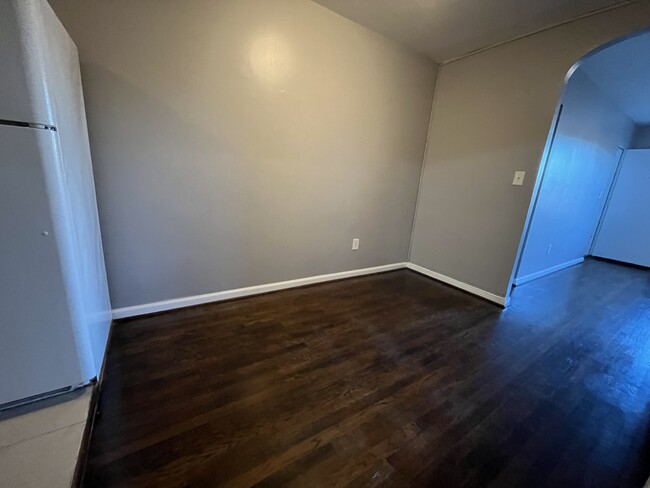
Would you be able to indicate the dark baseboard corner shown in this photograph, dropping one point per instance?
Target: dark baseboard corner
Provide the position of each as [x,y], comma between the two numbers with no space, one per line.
[80,468]
[85,439]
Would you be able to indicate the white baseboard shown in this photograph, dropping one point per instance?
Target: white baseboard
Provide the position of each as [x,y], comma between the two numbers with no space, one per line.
[520,280]
[164,305]
[175,303]
[502,301]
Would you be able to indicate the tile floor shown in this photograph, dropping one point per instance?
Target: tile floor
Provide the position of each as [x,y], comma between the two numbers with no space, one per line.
[39,443]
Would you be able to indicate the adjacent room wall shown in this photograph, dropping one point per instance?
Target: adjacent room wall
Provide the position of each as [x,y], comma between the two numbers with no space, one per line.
[624,234]
[641,138]
[239,143]
[577,178]
[491,117]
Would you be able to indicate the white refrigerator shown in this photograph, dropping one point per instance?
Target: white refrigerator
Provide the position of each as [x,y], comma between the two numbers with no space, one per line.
[54,303]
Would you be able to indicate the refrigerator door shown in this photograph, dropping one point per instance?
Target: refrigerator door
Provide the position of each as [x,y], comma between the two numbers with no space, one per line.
[38,345]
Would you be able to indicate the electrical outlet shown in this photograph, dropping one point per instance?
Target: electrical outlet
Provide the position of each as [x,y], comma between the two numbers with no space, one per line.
[519,178]
[355,244]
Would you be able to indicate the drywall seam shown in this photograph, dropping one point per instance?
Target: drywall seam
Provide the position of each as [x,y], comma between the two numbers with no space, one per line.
[424,159]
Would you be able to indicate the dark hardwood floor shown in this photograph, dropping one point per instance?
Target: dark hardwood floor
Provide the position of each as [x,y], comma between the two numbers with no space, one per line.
[385,380]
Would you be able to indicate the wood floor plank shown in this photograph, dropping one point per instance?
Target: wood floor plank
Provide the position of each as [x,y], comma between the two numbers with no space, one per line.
[385,380]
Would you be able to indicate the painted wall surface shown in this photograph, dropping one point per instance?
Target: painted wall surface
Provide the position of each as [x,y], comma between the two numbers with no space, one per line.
[491,117]
[641,137]
[625,233]
[238,143]
[577,177]
[622,71]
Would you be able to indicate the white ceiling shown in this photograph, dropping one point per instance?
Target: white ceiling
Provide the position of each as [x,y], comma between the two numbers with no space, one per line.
[447,29]
[622,71]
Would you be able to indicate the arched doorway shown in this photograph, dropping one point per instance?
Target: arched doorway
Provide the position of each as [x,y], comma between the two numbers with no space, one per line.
[599,119]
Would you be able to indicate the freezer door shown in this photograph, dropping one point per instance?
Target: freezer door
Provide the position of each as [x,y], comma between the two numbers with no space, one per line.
[38,352]
[24,88]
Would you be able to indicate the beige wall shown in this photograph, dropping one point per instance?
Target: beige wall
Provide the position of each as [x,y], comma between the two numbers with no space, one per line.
[238,143]
[491,116]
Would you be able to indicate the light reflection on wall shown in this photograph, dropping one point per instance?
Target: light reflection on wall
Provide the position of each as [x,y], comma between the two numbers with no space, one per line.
[270,60]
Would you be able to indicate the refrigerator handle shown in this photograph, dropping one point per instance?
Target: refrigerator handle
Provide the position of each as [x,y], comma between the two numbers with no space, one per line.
[30,125]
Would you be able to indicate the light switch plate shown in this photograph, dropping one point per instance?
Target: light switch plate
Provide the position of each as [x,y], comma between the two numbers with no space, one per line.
[519,178]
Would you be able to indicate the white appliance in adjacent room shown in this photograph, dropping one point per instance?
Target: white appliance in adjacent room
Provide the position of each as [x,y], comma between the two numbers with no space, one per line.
[624,233]
[54,304]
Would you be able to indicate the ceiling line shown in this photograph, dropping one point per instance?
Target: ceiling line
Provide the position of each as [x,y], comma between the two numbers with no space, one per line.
[624,3]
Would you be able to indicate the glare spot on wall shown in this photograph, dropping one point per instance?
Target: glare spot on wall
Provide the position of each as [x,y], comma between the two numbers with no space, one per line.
[270,60]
